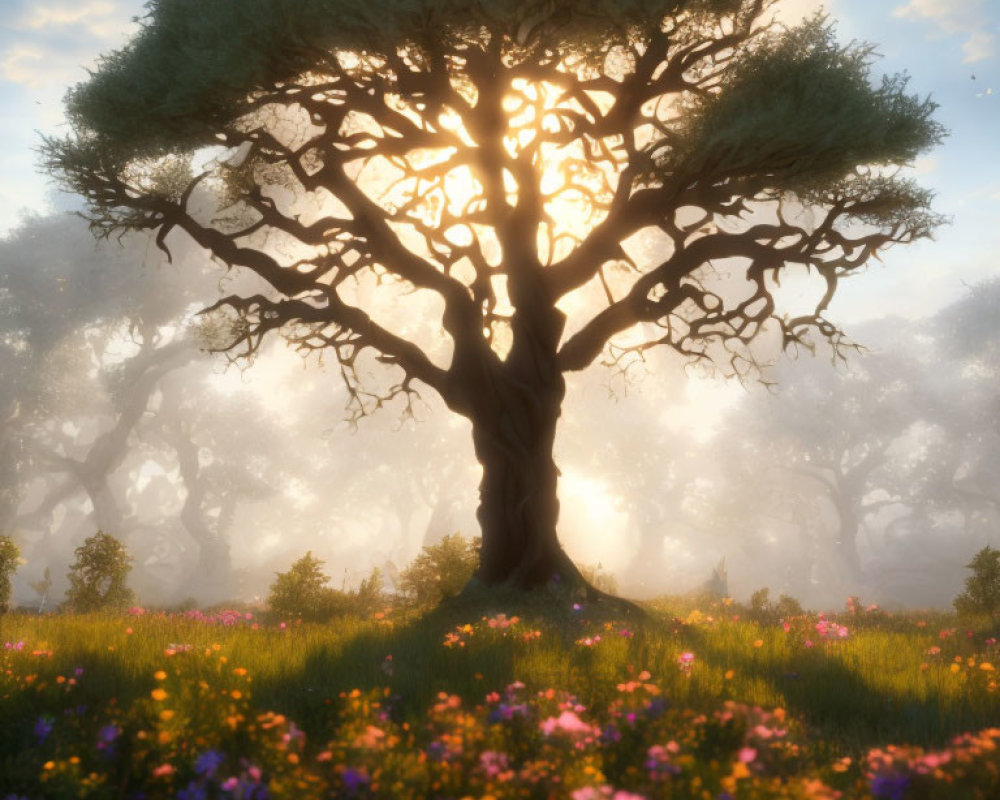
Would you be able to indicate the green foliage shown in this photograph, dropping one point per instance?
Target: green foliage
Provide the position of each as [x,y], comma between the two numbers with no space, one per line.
[440,571]
[766,611]
[97,579]
[302,593]
[982,588]
[798,111]
[9,555]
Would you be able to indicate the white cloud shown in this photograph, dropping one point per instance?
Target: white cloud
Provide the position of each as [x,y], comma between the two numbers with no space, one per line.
[979,46]
[966,18]
[47,44]
[56,14]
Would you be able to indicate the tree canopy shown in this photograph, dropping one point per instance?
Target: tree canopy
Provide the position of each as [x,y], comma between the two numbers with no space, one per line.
[504,157]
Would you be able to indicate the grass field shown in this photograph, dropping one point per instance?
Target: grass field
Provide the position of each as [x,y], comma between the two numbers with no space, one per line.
[480,703]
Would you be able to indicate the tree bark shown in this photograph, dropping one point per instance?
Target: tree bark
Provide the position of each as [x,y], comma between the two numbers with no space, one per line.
[514,406]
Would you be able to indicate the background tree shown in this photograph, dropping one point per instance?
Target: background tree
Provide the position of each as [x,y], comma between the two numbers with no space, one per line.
[494,160]
[9,555]
[982,588]
[97,579]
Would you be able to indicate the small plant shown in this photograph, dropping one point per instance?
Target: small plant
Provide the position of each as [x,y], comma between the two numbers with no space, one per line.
[97,577]
[982,588]
[766,612]
[302,593]
[9,556]
[42,588]
[440,571]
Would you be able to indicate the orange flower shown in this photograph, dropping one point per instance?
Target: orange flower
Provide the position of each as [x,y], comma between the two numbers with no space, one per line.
[158,694]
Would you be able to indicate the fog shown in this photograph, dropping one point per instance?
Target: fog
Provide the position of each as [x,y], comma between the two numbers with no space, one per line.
[878,476]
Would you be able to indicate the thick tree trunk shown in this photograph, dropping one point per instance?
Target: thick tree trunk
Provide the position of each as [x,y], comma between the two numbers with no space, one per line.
[519,507]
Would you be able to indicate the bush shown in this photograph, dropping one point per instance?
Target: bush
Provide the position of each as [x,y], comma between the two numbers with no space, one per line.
[440,571]
[9,555]
[766,612]
[97,577]
[302,593]
[982,588]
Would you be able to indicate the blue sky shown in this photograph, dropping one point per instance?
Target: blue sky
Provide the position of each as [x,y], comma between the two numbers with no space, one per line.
[46,46]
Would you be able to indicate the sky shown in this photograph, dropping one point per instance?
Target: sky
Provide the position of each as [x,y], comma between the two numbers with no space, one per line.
[951,49]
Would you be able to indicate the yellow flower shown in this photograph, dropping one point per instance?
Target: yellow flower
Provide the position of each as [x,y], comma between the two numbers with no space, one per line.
[160,675]
[158,694]
[986,665]
[240,671]
[955,668]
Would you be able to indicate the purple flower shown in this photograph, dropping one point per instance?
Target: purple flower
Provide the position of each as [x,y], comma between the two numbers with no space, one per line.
[107,735]
[208,762]
[353,778]
[43,728]
[891,786]
[193,791]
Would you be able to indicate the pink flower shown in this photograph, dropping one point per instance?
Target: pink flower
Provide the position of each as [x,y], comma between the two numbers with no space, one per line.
[567,722]
[747,754]
[163,770]
[229,784]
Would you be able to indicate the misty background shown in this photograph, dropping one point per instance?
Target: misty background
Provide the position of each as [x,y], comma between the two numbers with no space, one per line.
[878,476]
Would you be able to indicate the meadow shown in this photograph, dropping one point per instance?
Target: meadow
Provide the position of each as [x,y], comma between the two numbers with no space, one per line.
[535,700]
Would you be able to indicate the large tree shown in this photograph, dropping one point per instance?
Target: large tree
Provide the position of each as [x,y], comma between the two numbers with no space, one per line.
[503,156]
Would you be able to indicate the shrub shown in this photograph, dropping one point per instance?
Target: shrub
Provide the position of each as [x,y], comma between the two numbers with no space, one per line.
[9,555]
[440,571]
[97,577]
[302,592]
[982,588]
[765,611]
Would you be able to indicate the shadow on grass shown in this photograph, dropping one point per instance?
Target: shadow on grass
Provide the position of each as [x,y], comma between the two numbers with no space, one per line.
[845,712]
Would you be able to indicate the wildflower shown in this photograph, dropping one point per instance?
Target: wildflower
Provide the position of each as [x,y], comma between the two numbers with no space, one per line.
[160,675]
[684,662]
[567,722]
[43,727]
[494,764]
[353,778]
[193,791]
[890,787]
[158,695]
[208,763]
[746,755]
[658,762]
[107,735]
[758,643]
[164,770]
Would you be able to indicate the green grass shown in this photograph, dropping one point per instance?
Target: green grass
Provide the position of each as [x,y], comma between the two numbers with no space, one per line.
[848,696]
